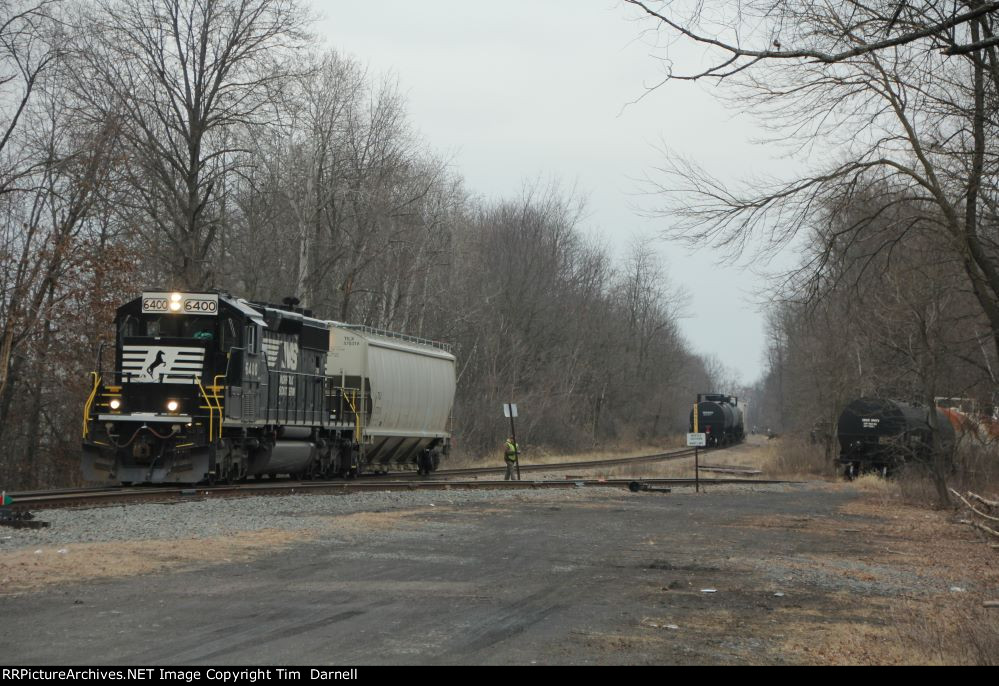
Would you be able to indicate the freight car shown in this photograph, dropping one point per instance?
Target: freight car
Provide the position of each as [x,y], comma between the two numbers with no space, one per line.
[719,417]
[877,434]
[208,387]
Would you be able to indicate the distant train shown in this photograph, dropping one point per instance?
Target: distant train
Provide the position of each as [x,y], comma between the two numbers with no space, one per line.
[208,387]
[879,435]
[720,418]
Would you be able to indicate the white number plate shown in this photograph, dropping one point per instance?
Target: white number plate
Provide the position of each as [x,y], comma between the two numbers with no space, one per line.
[206,304]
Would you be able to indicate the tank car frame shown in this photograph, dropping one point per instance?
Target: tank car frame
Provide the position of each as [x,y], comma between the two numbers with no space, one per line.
[720,418]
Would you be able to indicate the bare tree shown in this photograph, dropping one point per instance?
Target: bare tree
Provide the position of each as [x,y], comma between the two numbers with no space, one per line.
[913,117]
[29,48]
[186,74]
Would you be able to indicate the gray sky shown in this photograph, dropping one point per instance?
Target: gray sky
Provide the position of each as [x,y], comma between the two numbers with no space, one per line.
[527,89]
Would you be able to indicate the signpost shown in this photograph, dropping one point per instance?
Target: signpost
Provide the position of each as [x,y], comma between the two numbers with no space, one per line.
[510,410]
[696,440]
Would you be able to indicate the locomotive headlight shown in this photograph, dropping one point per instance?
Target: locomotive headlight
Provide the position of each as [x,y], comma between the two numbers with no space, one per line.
[115,403]
[175,297]
[172,405]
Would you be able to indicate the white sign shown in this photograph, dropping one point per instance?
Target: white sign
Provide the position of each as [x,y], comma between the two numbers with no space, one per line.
[180,303]
[696,440]
[509,409]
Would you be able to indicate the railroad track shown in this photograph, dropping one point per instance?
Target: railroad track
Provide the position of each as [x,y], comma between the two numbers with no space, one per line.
[442,480]
[345,487]
[681,454]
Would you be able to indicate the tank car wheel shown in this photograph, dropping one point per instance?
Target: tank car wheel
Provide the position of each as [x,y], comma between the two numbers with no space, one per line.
[852,470]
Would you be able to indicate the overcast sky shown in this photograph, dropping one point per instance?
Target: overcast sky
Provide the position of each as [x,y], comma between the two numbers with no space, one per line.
[525,89]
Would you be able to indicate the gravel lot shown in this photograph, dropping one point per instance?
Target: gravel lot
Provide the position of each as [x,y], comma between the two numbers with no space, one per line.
[813,574]
[211,518]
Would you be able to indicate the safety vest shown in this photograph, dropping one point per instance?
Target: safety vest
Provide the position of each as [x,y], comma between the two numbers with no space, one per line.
[511,451]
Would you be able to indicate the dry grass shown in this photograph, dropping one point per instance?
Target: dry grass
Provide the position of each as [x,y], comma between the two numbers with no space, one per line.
[977,467]
[27,569]
[793,458]
[953,630]
[751,454]
[928,624]
[32,568]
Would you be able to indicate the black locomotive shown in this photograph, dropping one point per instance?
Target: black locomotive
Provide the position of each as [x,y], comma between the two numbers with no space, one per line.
[207,387]
[877,434]
[719,417]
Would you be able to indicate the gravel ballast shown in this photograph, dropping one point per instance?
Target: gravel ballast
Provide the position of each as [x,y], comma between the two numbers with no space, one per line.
[213,517]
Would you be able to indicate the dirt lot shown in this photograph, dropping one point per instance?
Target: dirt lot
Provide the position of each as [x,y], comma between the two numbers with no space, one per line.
[818,574]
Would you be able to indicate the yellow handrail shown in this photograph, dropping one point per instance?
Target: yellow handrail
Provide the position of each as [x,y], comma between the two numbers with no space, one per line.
[211,409]
[90,402]
[357,415]
[218,398]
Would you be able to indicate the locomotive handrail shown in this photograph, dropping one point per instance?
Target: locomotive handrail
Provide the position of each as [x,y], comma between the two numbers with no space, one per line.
[90,402]
[357,415]
[211,411]
[218,398]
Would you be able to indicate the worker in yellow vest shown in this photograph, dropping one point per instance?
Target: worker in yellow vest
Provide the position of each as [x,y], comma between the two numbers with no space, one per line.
[510,453]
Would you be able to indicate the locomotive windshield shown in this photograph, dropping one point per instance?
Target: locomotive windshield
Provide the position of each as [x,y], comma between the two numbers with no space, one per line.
[170,326]
[179,326]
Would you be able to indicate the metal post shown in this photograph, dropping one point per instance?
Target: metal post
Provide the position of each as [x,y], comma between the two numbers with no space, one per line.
[697,471]
[697,466]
